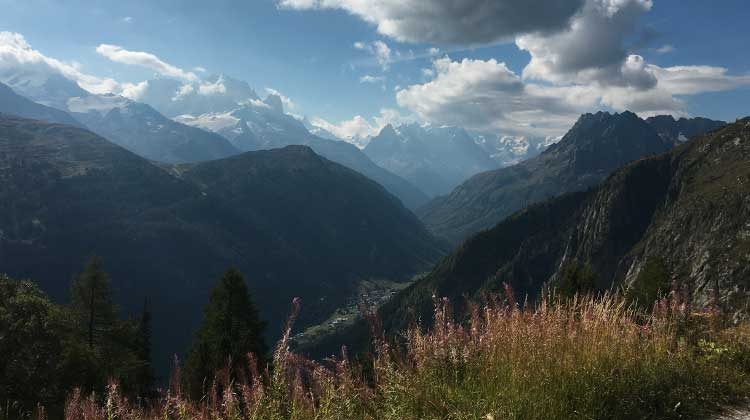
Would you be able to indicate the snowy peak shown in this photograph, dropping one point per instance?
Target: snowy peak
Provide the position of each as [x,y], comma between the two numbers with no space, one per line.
[435,159]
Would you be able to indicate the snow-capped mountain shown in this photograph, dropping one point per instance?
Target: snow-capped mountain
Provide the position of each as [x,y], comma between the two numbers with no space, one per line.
[510,150]
[250,124]
[435,159]
[52,90]
[132,125]
[213,94]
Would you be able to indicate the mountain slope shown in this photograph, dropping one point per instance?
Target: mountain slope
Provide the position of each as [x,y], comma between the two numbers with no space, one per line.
[14,104]
[261,127]
[356,226]
[142,130]
[680,131]
[435,159]
[66,193]
[688,208]
[595,146]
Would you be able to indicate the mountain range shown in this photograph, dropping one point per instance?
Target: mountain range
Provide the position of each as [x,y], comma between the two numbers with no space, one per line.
[142,129]
[435,159]
[688,209]
[295,223]
[685,210]
[594,147]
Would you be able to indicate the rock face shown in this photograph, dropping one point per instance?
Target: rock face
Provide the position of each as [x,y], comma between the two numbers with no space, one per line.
[435,159]
[295,223]
[689,208]
[680,131]
[595,146]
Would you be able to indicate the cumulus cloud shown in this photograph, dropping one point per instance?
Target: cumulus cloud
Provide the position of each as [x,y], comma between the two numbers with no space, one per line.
[592,49]
[359,130]
[17,57]
[452,21]
[144,59]
[134,91]
[485,95]
[285,100]
[215,88]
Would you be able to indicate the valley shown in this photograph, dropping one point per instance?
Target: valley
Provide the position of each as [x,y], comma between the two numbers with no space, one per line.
[375,210]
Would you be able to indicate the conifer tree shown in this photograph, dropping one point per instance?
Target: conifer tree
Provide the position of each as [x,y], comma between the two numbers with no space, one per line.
[145,377]
[576,279]
[231,329]
[91,301]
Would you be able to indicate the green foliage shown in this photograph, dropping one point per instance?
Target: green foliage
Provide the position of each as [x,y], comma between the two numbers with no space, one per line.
[231,330]
[52,349]
[587,357]
[92,306]
[576,279]
[144,373]
[30,345]
[652,283]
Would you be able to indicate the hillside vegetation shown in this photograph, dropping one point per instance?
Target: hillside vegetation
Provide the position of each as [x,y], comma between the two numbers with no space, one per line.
[582,357]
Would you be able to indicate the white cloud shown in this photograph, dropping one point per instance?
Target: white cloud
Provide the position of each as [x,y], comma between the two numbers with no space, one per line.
[134,91]
[452,21]
[144,59]
[665,49]
[371,79]
[285,100]
[128,19]
[380,51]
[183,92]
[215,88]
[359,130]
[486,95]
[17,57]
[199,69]
[690,80]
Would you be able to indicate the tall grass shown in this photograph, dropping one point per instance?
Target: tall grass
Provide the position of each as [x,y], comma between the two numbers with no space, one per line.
[587,358]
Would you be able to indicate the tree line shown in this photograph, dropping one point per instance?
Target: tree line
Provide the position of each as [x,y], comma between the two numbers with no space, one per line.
[50,349]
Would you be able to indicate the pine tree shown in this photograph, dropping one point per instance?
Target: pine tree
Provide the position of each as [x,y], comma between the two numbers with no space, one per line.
[576,279]
[231,329]
[144,376]
[91,301]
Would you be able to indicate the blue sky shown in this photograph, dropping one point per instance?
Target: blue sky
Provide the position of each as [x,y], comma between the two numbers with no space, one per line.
[306,50]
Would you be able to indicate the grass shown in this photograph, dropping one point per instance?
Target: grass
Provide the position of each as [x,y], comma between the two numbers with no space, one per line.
[587,358]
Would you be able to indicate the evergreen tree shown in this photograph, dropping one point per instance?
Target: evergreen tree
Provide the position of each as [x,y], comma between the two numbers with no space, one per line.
[231,329]
[144,376]
[91,301]
[576,279]
[652,283]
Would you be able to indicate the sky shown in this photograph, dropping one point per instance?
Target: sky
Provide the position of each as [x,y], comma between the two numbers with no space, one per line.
[515,67]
